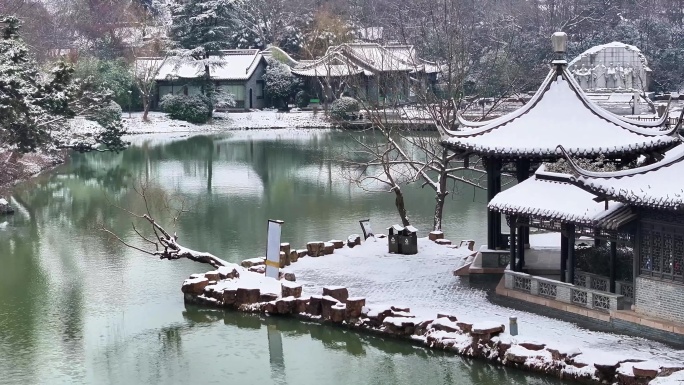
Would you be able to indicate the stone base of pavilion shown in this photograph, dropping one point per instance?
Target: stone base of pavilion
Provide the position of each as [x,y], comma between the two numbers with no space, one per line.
[590,312]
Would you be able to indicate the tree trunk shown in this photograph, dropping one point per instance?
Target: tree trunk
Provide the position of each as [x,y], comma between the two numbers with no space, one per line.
[439,211]
[399,202]
[146,106]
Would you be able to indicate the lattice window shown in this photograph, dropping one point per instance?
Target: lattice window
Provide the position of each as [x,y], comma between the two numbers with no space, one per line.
[667,254]
[601,302]
[657,251]
[599,284]
[547,289]
[522,283]
[504,259]
[646,263]
[579,297]
[627,290]
[678,256]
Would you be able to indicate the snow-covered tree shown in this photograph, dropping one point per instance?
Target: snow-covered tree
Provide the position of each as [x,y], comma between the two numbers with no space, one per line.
[205,24]
[35,107]
[279,83]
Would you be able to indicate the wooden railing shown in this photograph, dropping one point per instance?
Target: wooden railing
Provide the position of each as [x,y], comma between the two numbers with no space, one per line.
[563,292]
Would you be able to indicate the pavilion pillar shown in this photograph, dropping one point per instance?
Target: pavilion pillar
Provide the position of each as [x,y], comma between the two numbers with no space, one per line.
[522,173]
[570,277]
[563,253]
[493,166]
[597,242]
[521,247]
[613,264]
[513,226]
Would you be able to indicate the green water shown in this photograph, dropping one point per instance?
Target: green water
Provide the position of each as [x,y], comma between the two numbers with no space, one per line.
[76,307]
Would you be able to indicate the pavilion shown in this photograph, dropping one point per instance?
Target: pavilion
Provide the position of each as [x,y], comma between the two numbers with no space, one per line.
[641,208]
[558,114]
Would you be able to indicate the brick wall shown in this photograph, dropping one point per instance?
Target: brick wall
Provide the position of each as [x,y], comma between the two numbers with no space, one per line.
[660,299]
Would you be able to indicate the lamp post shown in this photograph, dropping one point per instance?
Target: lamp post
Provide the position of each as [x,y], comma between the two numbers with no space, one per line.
[129,102]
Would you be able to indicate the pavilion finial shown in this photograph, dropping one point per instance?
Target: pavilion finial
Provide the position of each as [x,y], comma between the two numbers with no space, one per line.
[559,40]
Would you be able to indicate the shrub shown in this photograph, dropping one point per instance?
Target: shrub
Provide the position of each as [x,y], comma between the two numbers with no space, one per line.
[302,99]
[193,109]
[107,114]
[342,107]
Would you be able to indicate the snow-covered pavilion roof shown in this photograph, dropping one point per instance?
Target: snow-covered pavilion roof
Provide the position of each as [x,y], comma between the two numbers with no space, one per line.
[658,185]
[552,196]
[237,64]
[558,114]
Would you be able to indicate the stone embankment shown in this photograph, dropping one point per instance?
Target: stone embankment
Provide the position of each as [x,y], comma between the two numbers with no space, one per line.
[243,288]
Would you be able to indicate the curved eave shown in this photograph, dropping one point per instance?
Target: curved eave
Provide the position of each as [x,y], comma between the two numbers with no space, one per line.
[652,124]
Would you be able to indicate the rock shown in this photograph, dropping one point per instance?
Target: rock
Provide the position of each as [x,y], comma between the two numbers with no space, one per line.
[400,309]
[285,305]
[293,256]
[399,326]
[290,289]
[606,371]
[301,253]
[353,240]
[210,292]
[468,243]
[301,305]
[268,297]
[502,348]
[194,286]
[226,272]
[5,208]
[532,345]
[443,242]
[337,243]
[314,249]
[245,296]
[285,248]
[445,325]
[466,327]
[516,355]
[354,307]
[288,276]
[327,302]
[337,312]
[340,293]
[229,297]
[315,304]
[381,236]
[258,269]
[328,248]
[562,354]
[269,307]
[486,327]
[647,370]
[435,235]
[421,328]
[247,263]
[284,259]
[212,275]
[451,318]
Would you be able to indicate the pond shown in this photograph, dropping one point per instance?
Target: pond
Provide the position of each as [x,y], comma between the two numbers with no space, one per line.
[77,307]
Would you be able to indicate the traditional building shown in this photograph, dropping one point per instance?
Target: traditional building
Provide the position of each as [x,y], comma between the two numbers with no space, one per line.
[367,71]
[638,210]
[558,114]
[238,72]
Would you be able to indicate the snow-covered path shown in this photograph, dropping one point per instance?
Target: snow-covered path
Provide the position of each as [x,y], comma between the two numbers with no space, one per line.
[425,283]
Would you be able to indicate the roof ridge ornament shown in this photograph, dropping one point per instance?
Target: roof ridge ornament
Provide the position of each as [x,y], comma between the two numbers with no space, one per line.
[559,41]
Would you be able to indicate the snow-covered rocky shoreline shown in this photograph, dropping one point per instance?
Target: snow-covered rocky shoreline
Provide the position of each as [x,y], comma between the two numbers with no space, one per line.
[245,288]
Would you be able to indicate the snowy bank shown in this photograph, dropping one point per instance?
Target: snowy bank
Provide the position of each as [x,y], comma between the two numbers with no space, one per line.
[245,288]
[159,122]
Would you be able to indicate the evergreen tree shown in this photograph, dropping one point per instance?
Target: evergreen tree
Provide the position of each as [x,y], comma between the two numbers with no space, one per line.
[35,107]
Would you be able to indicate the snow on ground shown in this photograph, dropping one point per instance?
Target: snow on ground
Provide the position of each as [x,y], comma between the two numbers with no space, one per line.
[425,283]
[224,121]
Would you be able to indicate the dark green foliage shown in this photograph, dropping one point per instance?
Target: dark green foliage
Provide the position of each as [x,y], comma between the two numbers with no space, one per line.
[193,109]
[114,75]
[596,260]
[302,99]
[35,107]
[204,24]
[343,107]
[280,84]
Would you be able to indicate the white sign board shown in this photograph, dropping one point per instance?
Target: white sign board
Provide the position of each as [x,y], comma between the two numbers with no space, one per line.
[273,248]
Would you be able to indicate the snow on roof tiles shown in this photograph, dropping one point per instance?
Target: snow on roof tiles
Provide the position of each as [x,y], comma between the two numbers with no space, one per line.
[658,185]
[552,199]
[232,65]
[559,113]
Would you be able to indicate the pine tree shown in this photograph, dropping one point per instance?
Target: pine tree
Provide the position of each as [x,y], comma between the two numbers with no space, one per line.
[35,107]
